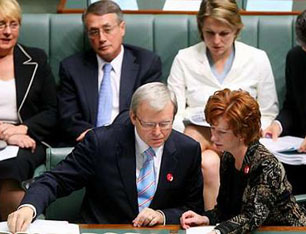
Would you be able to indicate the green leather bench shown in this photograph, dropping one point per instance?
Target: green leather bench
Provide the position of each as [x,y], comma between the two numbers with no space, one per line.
[61,35]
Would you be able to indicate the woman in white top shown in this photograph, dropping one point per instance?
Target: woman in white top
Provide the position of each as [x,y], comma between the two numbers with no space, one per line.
[216,63]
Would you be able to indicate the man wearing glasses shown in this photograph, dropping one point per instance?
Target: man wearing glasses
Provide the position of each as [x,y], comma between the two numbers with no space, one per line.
[98,84]
[137,170]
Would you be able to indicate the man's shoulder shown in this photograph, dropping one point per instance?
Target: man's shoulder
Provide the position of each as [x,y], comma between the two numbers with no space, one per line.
[79,57]
[296,52]
[181,140]
[139,51]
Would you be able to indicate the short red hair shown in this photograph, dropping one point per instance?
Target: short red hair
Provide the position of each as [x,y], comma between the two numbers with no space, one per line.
[240,110]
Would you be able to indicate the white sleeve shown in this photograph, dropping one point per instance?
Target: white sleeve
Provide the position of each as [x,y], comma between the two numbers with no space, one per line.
[176,82]
[266,96]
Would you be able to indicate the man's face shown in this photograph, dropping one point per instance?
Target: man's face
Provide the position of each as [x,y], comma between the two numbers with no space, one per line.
[105,34]
[145,120]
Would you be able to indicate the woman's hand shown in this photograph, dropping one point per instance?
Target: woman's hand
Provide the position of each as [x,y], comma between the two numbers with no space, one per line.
[191,218]
[8,130]
[303,146]
[23,141]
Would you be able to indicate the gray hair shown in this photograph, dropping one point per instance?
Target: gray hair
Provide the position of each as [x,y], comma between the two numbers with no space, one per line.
[300,28]
[156,94]
[103,7]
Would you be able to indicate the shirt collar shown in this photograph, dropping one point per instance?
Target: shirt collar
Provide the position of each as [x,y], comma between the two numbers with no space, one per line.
[116,62]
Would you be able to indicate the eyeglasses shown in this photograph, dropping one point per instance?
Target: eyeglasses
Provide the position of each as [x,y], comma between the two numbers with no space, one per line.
[11,25]
[164,125]
[106,30]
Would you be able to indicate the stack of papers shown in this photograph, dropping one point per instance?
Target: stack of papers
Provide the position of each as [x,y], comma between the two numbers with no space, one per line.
[200,230]
[46,227]
[285,149]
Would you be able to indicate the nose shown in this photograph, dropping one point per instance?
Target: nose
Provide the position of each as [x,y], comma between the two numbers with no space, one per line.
[216,38]
[213,136]
[7,30]
[102,37]
[156,130]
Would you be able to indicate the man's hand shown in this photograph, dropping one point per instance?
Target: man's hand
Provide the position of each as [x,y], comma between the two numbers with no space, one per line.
[23,141]
[82,135]
[273,131]
[8,130]
[303,146]
[148,217]
[190,218]
[20,220]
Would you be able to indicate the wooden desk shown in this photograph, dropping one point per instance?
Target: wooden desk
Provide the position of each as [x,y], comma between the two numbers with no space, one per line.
[172,229]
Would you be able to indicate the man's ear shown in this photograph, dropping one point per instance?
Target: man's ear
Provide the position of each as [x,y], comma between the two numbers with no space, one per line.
[132,117]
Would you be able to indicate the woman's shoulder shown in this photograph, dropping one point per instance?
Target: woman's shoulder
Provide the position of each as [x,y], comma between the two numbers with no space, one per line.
[247,49]
[264,160]
[31,52]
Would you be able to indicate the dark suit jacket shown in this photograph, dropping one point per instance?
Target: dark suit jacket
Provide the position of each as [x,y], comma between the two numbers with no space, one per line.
[293,114]
[105,164]
[36,93]
[78,95]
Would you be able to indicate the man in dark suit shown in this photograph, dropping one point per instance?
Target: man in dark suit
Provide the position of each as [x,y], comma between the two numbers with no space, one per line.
[110,160]
[82,75]
[292,117]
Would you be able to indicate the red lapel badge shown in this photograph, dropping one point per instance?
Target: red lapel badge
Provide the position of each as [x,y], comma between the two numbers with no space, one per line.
[169,177]
[246,169]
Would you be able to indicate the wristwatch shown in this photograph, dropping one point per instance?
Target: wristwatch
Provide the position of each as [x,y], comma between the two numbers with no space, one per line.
[217,231]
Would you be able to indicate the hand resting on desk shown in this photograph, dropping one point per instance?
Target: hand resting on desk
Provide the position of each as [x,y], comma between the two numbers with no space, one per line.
[148,217]
[20,220]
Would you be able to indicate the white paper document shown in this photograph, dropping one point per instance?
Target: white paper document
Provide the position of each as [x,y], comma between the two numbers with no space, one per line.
[199,230]
[269,5]
[10,151]
[199,119]
[285,149]
[46,227]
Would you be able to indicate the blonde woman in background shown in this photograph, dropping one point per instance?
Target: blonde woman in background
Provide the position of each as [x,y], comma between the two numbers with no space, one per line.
[27,106]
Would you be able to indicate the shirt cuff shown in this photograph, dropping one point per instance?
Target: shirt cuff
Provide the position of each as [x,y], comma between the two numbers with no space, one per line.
[280,126]
[30,206]
[164,216]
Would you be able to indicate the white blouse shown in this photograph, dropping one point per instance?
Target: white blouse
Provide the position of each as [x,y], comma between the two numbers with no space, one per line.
[8,101]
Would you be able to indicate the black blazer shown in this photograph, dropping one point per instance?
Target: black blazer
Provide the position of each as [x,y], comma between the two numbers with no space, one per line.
[36,92]
[293,114]
[105,164]
[78,94]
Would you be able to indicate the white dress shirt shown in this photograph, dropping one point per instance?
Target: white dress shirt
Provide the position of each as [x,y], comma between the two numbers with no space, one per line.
[115,79]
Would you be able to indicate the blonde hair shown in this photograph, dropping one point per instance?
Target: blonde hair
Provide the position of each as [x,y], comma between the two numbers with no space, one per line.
[10,9]
[226,11]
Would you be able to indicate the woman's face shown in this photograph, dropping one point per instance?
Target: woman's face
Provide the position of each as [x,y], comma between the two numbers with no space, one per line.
[223,137]
[9,32]
[218,37]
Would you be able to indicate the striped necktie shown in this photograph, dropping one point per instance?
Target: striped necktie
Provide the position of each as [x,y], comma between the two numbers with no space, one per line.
[105,98]
[146,184]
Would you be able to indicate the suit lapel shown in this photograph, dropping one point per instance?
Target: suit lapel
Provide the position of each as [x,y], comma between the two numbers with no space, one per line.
[167,168]
[126,156]
[129,74]
[89,79]
[25,70]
